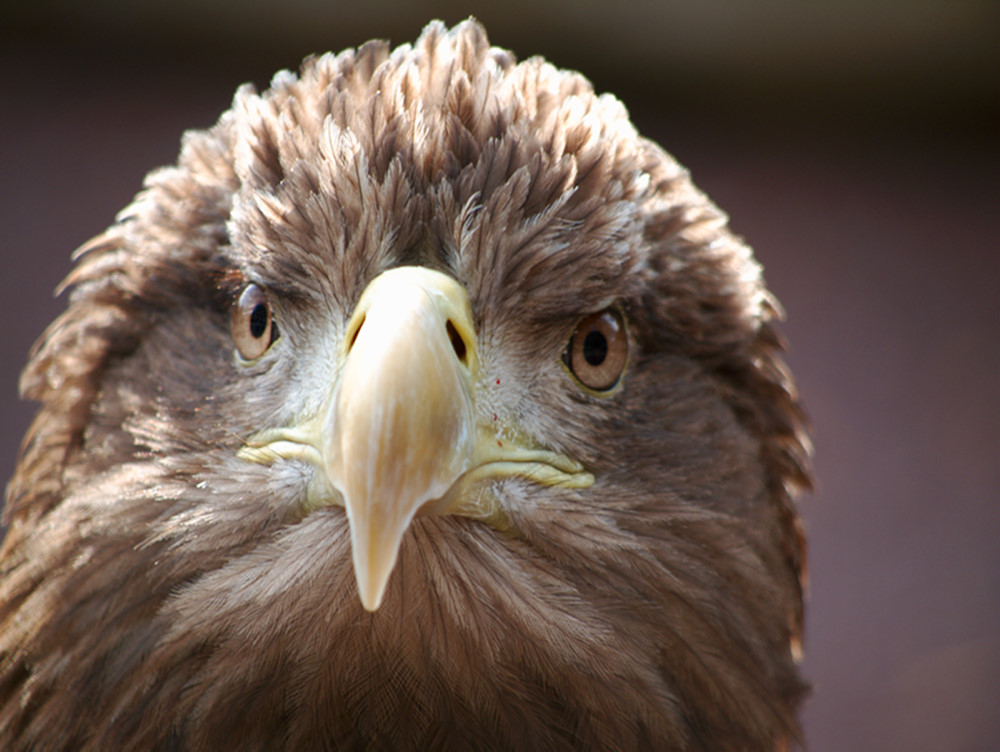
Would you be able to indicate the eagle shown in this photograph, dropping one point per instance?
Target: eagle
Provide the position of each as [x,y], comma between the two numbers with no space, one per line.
[423,404]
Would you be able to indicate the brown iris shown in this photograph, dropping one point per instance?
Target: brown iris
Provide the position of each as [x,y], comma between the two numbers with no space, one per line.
[252,323]
[598,350]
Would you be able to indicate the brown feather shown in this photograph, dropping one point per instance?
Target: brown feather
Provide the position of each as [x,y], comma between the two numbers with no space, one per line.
[158,593]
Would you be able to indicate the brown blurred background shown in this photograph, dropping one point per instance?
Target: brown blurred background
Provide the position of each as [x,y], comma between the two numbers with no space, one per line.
[855,144]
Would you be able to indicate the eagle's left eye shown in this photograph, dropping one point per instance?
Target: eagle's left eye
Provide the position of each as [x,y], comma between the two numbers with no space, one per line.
[252,323]
[598,350]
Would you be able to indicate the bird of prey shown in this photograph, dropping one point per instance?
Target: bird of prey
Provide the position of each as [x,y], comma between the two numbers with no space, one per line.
[422,405]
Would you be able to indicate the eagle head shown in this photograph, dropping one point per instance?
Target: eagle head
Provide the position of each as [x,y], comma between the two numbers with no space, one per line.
[422,404]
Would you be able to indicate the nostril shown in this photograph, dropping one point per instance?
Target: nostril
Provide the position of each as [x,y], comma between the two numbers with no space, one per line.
[456,341]
[354,336]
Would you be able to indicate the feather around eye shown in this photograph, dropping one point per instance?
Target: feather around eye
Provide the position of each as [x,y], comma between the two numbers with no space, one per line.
[598,350]
[252,323]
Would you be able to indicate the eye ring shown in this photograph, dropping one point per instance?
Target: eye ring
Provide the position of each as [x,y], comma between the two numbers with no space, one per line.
[598,350]
[251,322]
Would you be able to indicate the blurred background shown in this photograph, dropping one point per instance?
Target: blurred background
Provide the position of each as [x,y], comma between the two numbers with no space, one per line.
[856,145]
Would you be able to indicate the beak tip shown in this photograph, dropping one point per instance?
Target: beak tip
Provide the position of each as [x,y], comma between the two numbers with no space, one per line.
[371,597]
[371,574]
[369,606]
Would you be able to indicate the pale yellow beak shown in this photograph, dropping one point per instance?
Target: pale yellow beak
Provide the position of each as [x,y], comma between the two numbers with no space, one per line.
[400,434]
[403,422]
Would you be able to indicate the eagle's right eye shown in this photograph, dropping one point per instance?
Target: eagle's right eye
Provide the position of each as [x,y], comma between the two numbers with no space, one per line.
[252,323]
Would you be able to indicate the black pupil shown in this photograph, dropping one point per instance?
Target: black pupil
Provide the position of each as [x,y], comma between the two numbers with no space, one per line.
[258,320]
[595,348]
